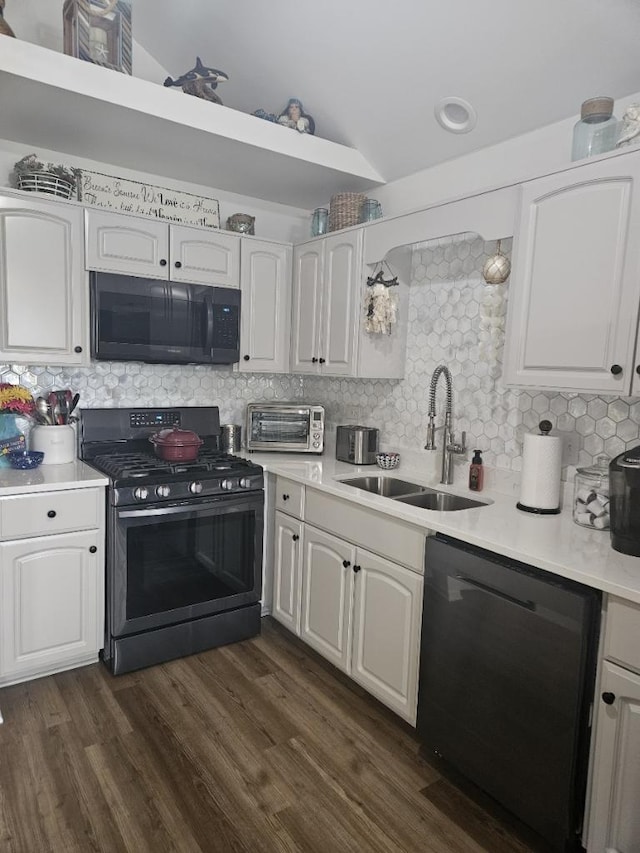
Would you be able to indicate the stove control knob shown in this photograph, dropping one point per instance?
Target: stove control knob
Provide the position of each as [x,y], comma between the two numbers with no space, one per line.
[163,491]
[245,483]
[227,485]
[195,488]
[141,493]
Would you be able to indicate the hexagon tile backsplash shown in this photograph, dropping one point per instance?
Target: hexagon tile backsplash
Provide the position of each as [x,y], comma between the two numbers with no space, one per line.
[454,319]
[457,320]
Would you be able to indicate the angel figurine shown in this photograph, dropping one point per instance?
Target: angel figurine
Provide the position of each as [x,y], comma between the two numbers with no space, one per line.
[294,116]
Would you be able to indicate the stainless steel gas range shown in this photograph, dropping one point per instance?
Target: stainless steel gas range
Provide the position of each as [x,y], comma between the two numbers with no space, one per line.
[184,539]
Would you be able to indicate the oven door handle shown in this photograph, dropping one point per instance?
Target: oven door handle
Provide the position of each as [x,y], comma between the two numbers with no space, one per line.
[165,510]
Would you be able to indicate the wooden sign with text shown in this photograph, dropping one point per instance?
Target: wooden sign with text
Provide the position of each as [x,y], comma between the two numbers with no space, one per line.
[124,196]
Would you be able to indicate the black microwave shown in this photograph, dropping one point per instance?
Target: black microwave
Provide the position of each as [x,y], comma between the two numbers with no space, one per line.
[163,322]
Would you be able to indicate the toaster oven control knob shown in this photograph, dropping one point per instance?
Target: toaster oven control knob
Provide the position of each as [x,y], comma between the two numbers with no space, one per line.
[316,435]
[245,483]
[141,493]
[227,485]
[195,488]
[316,444]
[163,491]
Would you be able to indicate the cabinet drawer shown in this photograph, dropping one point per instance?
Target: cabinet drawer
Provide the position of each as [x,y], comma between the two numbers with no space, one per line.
[51,512]
[377,532]
[289,497]
[622,642]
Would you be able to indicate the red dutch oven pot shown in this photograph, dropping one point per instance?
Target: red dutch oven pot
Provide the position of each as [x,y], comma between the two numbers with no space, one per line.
[176,445]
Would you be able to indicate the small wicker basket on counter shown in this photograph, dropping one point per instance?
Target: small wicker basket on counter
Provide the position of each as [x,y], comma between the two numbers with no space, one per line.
[345,210]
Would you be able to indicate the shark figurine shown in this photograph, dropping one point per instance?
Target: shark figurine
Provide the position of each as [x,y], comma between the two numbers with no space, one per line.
[200,81]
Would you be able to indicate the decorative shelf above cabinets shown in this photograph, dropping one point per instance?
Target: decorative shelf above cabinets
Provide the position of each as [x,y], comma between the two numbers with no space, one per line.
[57,102]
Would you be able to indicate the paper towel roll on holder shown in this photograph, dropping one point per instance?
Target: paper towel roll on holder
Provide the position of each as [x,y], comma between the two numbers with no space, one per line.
[540,486]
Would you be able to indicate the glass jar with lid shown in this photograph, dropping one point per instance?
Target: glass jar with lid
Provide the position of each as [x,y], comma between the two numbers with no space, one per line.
[591,495]
[597,130]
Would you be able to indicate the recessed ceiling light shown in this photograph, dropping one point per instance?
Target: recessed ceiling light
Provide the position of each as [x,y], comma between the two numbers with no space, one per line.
[456,115]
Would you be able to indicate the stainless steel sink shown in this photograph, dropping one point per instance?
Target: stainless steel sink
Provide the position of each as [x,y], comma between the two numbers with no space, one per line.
[410,493]
[388,487]
[440,501]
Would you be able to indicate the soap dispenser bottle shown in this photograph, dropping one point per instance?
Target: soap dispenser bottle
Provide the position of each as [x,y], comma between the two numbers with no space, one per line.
[476,472]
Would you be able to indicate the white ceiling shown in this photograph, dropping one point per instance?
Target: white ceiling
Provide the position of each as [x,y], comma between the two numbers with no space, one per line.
[371,72]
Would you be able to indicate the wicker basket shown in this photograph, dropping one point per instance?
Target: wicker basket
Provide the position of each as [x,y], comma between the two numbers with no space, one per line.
[345,210]
[46,182]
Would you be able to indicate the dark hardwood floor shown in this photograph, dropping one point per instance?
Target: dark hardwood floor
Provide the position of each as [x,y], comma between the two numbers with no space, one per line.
[258,746]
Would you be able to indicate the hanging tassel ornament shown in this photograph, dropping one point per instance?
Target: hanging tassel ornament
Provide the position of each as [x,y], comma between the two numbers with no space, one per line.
[497,268]
[381,305]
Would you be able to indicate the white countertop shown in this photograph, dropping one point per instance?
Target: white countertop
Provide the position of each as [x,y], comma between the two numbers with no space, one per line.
[553,542]
[50,478]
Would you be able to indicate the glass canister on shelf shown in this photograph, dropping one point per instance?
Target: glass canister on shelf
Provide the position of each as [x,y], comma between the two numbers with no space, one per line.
[591,495]
[371,209]
[597,130]
[319,221]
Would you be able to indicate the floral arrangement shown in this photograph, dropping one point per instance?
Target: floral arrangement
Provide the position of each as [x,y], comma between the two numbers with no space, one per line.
[16,400]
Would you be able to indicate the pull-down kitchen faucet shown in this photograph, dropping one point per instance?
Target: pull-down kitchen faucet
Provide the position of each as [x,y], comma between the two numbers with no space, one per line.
[450,447]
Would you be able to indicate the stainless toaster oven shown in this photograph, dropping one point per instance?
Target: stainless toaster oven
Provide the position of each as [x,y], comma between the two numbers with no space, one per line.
[292,427]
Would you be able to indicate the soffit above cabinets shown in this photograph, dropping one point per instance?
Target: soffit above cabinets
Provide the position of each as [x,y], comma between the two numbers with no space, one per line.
[50,100]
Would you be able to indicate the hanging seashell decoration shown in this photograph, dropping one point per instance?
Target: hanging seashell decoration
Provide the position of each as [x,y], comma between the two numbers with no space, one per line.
[497,268]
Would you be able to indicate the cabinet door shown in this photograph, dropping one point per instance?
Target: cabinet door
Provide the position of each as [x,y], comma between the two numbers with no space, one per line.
[386,632]
[42,283]
[574,291]
[287,572]
[125,244]
[340,303]
[265,329]
[614,821]
[51,603]
[327,588]
[204,257]
[308,268]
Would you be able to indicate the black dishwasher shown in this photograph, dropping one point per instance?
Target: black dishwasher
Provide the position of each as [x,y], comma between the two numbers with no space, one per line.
[507,672]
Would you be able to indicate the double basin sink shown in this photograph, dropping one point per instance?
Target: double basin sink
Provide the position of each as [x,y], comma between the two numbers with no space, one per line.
[410,493]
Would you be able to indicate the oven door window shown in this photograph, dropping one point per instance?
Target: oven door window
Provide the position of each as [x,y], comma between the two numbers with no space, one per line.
[189,559]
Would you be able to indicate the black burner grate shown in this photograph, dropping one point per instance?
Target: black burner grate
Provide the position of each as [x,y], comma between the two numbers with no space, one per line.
[141,465]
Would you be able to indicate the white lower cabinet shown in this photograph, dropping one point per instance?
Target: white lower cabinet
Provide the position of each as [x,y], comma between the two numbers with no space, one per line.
[51,591]
[615,806]
[327,594]
[286,573]
[614,813]
[362,612]
[387,611]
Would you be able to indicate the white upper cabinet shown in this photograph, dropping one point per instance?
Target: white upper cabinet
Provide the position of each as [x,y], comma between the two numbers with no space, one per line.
[150,249]
[340,302]
[329,291]
[327,277]
[43,299]
[575,283]
[204,257]
[125,244]
[265,319]
[308,282]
